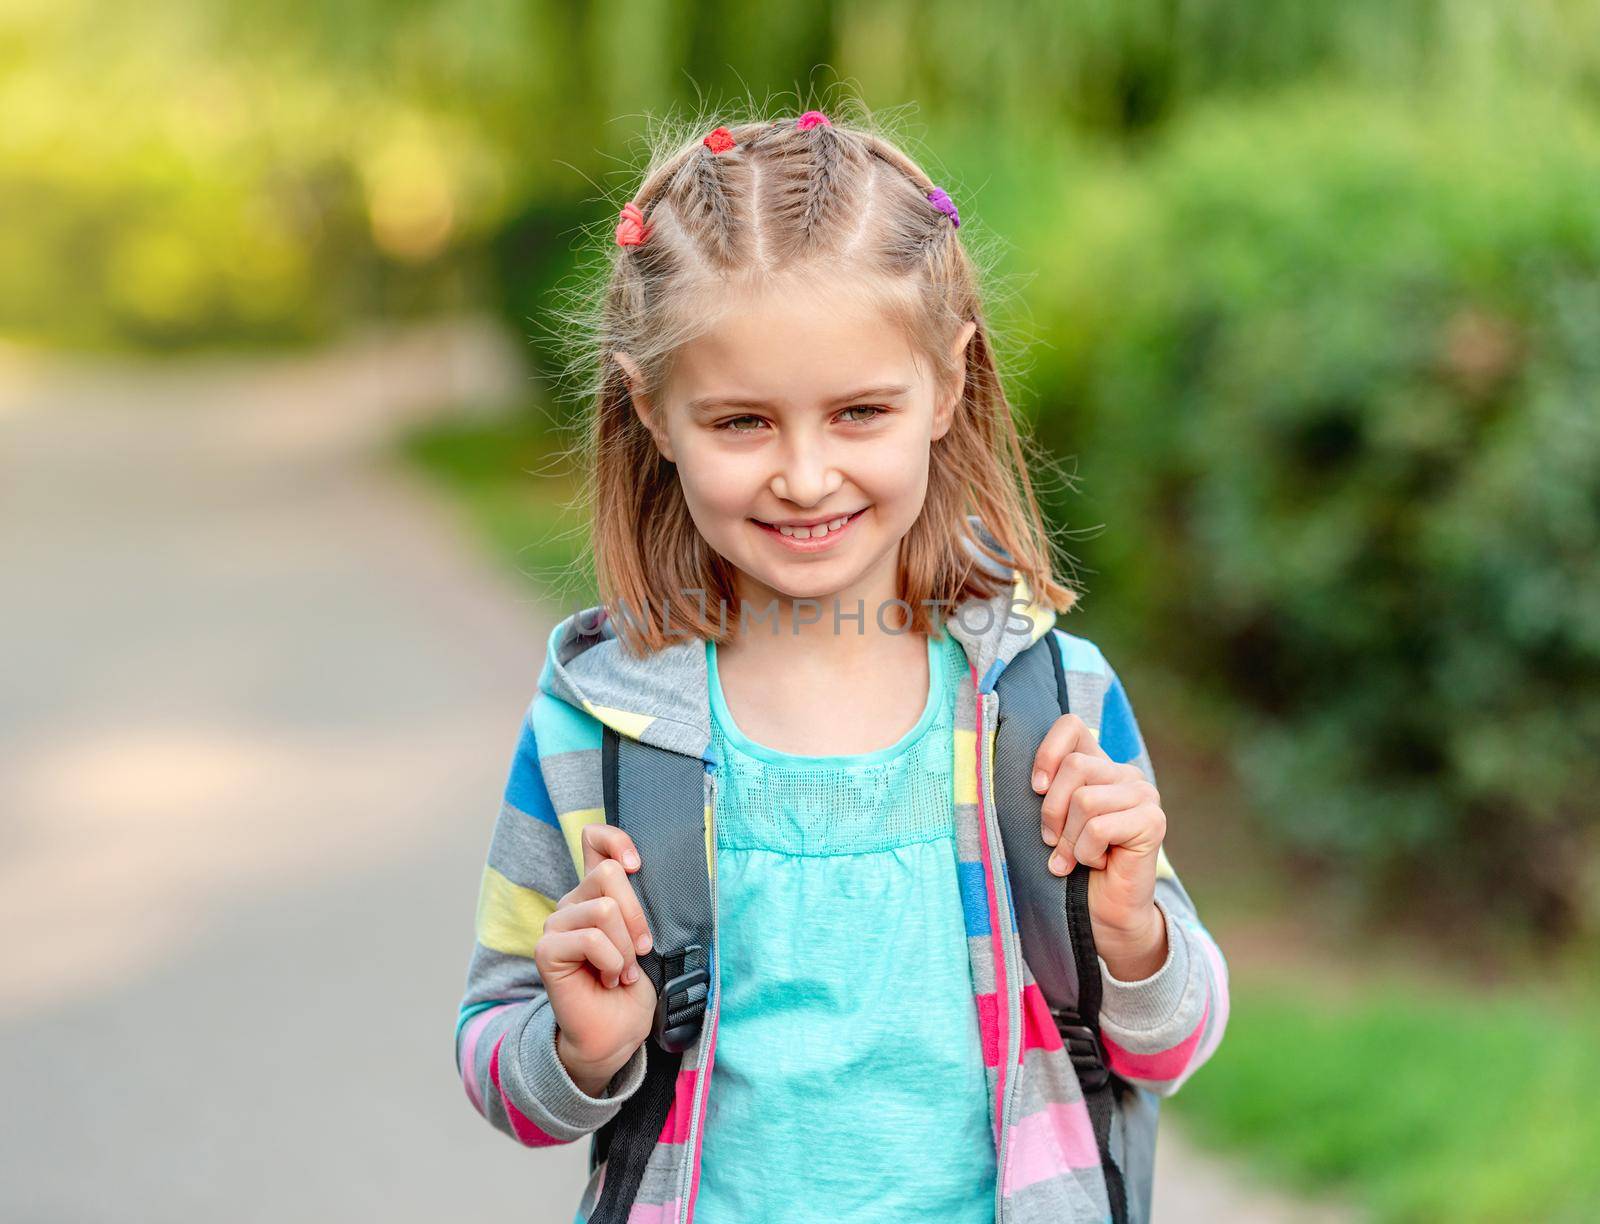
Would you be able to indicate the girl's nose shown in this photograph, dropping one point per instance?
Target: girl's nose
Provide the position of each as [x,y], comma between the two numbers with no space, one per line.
[806,478]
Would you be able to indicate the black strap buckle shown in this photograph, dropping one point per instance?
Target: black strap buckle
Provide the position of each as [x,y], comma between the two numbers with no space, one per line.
[681,999]
[1084,1047]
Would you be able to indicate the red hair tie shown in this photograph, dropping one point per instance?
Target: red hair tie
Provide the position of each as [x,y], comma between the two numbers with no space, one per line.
[632,229]
[812,119]
[720,140]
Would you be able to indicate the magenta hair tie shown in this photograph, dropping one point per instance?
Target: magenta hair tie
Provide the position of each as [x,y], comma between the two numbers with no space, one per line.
[942,202]
[812,119]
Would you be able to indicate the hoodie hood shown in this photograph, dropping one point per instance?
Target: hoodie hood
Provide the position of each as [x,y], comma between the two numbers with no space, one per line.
[664,699]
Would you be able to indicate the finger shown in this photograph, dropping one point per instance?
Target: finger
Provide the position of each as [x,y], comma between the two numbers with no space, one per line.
[1124,828]
[609,879]
[1077,769]
[1088,802]
[570,950]
[605,914]
[1067,734]
[605,841]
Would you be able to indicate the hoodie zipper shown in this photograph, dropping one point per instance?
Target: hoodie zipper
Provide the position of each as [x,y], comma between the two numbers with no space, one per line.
[709,1028]
[1011,954]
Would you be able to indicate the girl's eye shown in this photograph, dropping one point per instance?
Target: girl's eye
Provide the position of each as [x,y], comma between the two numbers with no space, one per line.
[872,408]
[734,424]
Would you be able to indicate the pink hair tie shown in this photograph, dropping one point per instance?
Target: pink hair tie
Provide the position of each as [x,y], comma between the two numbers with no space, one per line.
[719,140]
[632,229]
[812,119]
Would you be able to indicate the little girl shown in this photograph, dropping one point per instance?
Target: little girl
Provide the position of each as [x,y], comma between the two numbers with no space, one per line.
[803,459]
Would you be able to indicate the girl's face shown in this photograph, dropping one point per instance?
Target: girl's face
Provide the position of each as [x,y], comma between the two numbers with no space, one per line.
[801,432]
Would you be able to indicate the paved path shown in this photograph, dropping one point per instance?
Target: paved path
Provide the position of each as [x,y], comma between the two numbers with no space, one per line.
[259,701]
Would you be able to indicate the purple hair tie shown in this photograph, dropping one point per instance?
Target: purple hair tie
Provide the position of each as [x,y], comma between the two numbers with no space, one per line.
[941,201]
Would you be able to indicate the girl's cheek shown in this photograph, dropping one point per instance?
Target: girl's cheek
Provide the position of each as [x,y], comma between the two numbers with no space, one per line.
[716,483]
[898,481]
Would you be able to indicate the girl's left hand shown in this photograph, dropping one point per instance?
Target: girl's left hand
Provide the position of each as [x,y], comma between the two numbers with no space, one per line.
[1107,816]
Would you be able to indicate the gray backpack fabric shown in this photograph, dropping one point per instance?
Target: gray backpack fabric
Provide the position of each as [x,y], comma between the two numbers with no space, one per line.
[659,797]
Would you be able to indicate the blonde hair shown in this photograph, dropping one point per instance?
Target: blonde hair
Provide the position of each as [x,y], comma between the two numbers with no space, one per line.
[800,203]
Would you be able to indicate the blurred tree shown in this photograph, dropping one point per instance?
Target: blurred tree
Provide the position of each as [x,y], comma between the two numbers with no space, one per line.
[201,172]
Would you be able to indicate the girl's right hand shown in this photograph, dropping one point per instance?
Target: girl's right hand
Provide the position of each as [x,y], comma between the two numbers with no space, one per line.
[588,960]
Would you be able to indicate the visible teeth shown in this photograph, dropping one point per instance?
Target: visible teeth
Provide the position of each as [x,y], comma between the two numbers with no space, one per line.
[816,532]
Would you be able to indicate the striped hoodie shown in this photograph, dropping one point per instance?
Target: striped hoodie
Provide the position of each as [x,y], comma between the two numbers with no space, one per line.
[1157,1031]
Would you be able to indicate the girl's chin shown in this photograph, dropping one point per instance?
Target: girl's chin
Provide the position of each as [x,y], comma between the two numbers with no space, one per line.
[763,584]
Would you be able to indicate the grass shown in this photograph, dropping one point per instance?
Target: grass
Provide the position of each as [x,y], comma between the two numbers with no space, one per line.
[1417,1104]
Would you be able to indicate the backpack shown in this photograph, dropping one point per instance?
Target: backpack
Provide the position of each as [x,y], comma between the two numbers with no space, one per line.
[658,796]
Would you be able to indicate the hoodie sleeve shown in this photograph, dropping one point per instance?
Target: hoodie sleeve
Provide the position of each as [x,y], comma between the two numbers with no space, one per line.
[505,1028]
[1159,1030]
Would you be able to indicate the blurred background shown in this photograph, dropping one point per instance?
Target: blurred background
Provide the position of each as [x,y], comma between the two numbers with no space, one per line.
[1305,297]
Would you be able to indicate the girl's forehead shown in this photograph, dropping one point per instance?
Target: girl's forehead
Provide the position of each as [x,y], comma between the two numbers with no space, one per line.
[794,348]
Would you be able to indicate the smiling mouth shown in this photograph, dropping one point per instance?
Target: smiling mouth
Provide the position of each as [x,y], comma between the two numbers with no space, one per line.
[817,531]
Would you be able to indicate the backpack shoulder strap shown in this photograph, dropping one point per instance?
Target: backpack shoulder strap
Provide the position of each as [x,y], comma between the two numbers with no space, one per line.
[659,798]
[1052,911]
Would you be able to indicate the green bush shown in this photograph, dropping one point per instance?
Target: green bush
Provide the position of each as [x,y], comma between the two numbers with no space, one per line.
[1335,372]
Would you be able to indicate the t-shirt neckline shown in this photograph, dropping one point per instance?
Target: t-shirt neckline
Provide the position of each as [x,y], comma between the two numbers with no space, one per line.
[722,716]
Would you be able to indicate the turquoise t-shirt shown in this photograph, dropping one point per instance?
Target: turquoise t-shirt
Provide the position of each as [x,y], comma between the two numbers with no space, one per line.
[849,1080]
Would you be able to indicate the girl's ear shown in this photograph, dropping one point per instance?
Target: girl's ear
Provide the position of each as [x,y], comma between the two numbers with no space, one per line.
[958,355]
[642,404]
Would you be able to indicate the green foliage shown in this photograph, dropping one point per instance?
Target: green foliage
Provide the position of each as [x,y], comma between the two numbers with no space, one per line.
[1419,1105]
[1337,371]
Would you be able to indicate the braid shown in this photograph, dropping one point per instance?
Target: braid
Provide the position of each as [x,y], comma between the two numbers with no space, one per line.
[707,208]
[822,184]
[754,137]
[881,149]
[816,188]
